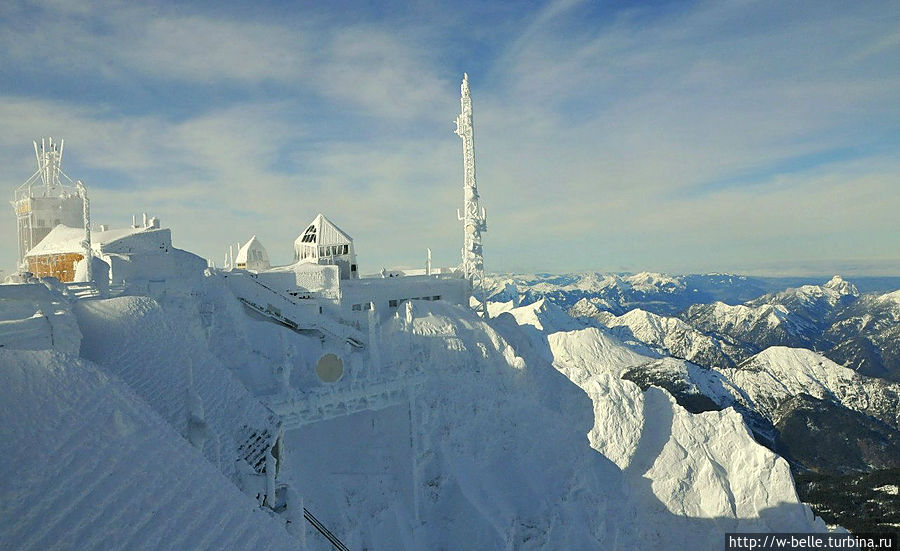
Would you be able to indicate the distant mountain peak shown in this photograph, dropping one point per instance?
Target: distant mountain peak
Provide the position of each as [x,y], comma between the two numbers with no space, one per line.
[842,286]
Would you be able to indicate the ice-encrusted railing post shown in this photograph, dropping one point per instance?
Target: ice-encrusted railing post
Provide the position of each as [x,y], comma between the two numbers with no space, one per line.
[282,371]
[415,446]
[271,466]
[374,347]
[86,244]
[293,514]
[196,422]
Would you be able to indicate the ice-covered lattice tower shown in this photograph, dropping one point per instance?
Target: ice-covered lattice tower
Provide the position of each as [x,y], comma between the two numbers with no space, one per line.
[473,215]
[48,198]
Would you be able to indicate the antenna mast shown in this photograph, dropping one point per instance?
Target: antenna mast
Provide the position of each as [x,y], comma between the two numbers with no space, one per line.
[473,215]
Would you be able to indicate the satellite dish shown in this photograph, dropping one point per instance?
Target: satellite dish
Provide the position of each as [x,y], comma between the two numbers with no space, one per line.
[329,368]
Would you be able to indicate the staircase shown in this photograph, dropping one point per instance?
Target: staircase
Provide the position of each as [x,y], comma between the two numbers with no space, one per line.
[301,316]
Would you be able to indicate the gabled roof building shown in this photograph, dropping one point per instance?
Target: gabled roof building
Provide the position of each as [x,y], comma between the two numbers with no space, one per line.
[324,243]
[252,256]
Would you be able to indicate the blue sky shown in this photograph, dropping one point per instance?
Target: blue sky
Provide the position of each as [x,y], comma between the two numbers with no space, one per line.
[754,137]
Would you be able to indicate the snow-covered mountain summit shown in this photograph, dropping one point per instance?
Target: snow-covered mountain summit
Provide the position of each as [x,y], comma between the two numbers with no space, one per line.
[779,372]
[516,432]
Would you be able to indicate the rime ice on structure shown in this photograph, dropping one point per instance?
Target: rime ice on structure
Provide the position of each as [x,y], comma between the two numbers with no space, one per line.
[44,201]
[473,215]
[252,256]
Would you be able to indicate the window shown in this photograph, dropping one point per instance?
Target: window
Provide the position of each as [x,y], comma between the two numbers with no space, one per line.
[436,297]
[41,222]
[392,303]
[368,306]
[309,236]
[357,307]
[322,251]
[353,267]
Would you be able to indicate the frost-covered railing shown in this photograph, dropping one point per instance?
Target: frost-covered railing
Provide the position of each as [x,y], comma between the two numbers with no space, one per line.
[332,539]
[300,408]
[300,315]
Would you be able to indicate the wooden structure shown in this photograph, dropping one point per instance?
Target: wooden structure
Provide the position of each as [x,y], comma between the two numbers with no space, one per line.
[59,265]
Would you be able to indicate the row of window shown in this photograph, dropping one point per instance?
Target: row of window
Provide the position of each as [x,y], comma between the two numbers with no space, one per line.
[391,303]
[309,236]
[334,250]
[42,223]
[309,251]
[254,255]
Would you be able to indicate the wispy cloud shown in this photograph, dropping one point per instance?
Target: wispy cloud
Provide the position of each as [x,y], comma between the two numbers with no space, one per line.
[680,137]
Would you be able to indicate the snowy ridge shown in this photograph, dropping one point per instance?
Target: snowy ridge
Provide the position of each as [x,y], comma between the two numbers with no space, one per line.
[743,319]
[671,336]
[779,372]
[726,476]
[659,293]
[815,304]
[649,282]
[696,466]
[89,465]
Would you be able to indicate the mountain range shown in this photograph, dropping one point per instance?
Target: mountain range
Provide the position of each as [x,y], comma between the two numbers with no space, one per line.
[812,369]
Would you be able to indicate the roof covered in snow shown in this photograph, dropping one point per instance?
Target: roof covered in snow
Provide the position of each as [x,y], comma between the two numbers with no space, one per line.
[253,255]
[64,239]
[321,231]
[61,239]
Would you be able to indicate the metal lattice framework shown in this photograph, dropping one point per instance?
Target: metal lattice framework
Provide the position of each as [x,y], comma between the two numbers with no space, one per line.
[473,215]
[48,182]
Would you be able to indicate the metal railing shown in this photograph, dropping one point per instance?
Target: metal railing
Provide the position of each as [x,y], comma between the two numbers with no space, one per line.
[324,531]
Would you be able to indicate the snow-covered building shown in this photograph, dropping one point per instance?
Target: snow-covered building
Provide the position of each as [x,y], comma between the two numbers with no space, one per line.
[325,270]
[44,200]
[324,243]
[252,256]
[141,255]
[57,253]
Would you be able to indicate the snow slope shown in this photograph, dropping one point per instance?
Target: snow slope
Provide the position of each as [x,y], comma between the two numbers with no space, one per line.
[694,466]
[155,350]
[87,464]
